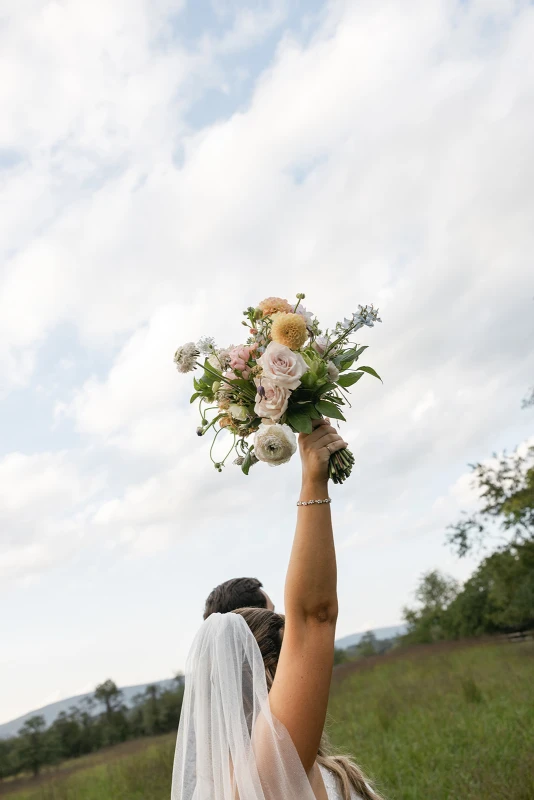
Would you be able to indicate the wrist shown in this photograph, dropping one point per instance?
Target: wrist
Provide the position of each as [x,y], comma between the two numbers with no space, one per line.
[314,488]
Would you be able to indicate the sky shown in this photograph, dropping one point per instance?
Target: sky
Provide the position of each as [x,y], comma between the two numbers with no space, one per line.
[163,165]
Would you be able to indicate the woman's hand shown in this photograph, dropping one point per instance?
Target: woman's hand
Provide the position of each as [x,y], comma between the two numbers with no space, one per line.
[316,449]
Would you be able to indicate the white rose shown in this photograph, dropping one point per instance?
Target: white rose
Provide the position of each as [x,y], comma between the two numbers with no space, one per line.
[283,366]
[274,443]
[332,372]
[238,412]
[271,400]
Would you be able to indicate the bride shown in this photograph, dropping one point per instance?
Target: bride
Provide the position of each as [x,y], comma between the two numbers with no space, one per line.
[257,683]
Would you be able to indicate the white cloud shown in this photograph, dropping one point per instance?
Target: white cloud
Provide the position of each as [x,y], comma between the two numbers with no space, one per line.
[381,160]
[44,499]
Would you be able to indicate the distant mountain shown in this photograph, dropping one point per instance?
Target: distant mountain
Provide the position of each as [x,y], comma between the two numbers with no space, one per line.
[380,633]
[53,710]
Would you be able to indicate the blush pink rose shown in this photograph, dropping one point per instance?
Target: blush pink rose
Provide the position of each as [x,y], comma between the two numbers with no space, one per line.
[271,400]
[282,366]
[238,359]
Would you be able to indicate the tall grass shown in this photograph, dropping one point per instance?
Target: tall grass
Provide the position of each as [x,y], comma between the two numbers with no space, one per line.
[457,724]
[442,725]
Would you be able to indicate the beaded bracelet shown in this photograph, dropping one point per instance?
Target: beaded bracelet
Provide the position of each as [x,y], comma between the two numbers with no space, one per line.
[312,502]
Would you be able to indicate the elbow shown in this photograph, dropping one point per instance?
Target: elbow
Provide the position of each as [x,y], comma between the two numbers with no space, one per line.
[322,614]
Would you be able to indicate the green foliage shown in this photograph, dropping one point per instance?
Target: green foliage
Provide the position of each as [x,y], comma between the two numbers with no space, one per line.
[528,400]
[368,645]
[340,656]
[82,730]
[370,371]
[506,489]
[498,597]
[427,622]
[349,379]
[247,463]
[299,420]
[32,744]
[329,409]
[346,359]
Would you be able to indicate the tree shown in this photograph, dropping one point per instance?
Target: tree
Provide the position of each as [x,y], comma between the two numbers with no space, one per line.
[368,645]
[340,656]
[435,593]
[116,724]
[33,749]
[506,488]
[152,721]
[528,400]
[110,695]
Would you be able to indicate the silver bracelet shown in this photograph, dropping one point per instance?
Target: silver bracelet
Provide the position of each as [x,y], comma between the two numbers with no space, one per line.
[313,502]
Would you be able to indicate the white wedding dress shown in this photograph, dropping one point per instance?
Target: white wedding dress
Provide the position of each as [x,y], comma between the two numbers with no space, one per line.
[229,745]
[332,789]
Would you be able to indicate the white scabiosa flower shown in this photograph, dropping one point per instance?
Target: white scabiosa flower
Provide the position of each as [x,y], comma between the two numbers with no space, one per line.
[186,356]
[206,345]
[274,443]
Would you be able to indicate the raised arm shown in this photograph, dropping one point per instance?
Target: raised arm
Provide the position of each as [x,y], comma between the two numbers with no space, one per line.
[299,695]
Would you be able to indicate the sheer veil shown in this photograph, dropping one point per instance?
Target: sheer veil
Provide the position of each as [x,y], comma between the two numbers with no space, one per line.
[229,745]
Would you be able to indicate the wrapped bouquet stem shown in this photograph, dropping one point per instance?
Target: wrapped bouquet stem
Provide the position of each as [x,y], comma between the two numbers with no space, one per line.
[286,374]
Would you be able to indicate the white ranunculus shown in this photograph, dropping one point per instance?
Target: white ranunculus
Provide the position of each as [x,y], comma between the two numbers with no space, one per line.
[283,366]
[271,400]
[274,443]
[238,412]
[332,372]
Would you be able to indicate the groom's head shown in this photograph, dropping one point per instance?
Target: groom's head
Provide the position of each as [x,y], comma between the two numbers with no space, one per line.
[237,593]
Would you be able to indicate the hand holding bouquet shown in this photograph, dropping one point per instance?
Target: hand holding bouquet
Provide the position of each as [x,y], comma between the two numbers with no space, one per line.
[287,374]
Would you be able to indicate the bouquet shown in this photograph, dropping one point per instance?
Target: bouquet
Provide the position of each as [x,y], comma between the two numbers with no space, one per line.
[286,374]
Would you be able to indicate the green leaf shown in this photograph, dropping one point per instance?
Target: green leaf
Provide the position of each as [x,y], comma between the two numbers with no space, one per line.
[328,387]
[305,408]
[347,359]
[349,379]
[371,371]
[194,397]
[247,463]
[299,421]
[328,409]
[197,384]
[360,350]
[212,370]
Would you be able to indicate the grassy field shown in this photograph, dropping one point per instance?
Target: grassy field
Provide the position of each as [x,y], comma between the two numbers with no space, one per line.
[439,723]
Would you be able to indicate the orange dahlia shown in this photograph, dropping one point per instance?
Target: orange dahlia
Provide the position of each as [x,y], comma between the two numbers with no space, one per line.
[271,305]
[290,330]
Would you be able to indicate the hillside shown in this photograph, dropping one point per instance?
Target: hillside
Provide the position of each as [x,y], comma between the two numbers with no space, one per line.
[50,712]
[380,633]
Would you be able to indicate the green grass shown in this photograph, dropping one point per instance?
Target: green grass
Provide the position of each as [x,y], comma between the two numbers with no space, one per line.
[439,724]
[455,723]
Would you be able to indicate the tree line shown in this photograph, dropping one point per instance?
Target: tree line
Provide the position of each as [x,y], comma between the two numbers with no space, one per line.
[100,720]
[499,596]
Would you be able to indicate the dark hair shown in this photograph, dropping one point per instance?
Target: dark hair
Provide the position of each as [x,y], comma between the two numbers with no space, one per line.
[267,628]
[233,594]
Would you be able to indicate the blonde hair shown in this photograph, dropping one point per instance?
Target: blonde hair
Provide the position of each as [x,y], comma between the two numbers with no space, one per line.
[267,627]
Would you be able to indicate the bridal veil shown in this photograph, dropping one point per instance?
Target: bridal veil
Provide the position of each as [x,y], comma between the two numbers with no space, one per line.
[229,745]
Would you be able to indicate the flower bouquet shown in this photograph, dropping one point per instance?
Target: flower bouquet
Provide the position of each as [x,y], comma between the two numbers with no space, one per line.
[287,374]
